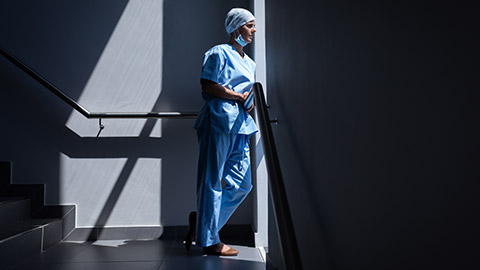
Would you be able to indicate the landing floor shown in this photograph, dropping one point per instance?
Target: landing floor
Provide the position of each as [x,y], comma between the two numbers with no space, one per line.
[138,255]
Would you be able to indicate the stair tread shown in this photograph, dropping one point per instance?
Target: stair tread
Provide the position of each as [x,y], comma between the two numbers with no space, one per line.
[24,226]
[21,189]
[54,211]
[10,199]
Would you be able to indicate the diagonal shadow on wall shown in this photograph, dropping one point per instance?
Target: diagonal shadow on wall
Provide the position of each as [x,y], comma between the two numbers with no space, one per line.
[62,41]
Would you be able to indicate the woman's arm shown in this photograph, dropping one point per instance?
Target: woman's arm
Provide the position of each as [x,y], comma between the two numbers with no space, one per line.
[220,91]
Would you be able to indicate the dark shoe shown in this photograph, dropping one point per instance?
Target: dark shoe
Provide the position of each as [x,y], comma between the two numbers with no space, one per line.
[192,227]
[220,249]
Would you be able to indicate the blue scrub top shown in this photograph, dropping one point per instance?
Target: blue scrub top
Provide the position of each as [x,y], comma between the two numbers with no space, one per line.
[224,65]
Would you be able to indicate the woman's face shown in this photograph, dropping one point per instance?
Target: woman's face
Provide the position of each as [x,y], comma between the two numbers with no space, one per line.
[247,31]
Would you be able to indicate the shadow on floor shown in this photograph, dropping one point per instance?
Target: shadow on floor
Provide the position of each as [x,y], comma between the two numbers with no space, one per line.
[160,254]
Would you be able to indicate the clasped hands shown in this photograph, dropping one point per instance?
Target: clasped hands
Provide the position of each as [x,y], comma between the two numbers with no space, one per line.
[243,97]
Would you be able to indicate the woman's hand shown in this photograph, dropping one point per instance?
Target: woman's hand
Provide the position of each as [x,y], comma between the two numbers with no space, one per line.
[220,91]
[251,108]
[245,95]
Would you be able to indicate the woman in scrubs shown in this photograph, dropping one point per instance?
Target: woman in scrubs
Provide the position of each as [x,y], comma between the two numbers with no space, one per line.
[224,127]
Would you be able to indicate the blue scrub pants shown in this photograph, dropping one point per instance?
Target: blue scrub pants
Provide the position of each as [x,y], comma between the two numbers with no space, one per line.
[227,156]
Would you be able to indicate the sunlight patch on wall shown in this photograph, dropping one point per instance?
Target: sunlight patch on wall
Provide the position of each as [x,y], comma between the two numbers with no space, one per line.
[157,129]
[139,202]
[128,75]
[112,192]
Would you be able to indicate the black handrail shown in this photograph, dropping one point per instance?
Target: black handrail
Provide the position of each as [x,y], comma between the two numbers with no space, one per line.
[284,223]
[83,110]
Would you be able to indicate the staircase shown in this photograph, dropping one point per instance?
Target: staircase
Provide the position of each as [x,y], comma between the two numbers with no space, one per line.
[27,225]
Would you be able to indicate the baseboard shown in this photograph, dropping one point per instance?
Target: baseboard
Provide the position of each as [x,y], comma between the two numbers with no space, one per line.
[119,233]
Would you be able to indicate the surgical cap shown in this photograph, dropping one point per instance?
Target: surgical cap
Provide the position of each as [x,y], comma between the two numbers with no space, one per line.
[236,18]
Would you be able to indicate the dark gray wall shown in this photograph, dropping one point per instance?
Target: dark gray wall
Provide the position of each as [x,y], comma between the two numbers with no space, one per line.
[378,130]
[63,41]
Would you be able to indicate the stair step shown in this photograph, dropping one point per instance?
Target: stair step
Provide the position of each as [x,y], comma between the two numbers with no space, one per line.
[64,212]
[22,189]
[10,199]
[14,209]
[21,247]
[33,191]
[27,225]
[27,238]
[54,211]
[11,231]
